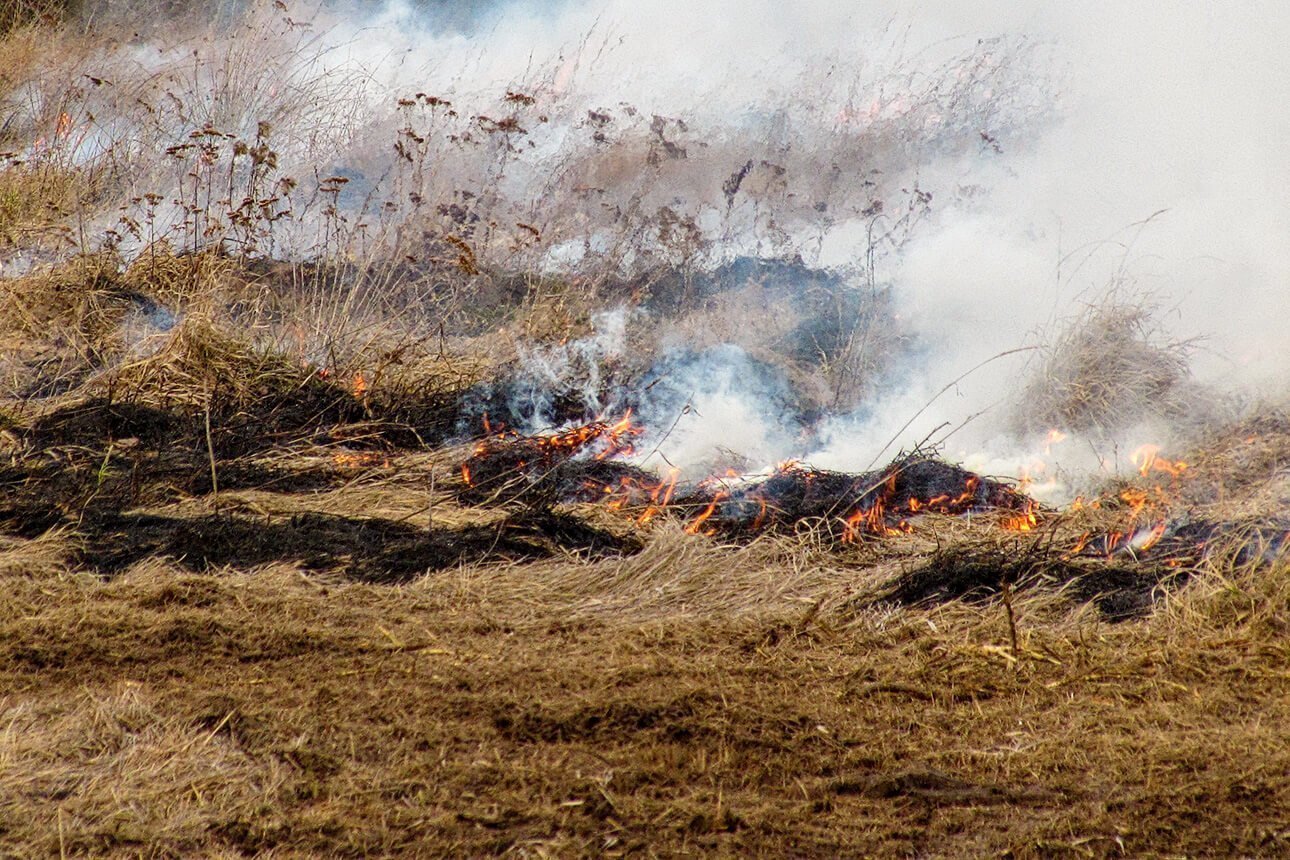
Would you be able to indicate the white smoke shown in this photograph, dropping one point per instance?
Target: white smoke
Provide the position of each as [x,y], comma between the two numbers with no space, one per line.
[1161,174]
[1026,157]
[1165,171]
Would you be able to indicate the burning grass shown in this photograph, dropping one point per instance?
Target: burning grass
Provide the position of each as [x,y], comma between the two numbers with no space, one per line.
[341,651]
[278,581]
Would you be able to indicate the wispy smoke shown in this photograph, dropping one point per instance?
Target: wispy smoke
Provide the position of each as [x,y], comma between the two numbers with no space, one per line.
[1156,179]
[994,167]
[1162,175]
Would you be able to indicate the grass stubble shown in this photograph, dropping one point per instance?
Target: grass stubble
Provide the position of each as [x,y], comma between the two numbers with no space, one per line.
[244,613]
[271,669]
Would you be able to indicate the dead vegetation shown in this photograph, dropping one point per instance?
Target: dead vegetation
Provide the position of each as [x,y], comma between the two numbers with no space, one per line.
[265,710]
[326,649]
[1106,369]
[252,605]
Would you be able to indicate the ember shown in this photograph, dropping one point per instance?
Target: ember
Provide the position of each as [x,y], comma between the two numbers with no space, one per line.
[581,465]
[509,461]
[854,506]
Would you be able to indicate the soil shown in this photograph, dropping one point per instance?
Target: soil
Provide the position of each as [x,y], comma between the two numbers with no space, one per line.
[334,652]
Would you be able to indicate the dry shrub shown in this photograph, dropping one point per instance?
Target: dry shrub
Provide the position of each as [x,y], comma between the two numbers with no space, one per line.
[58,326]
[201,360]
[63,326]
[35,201]
[1105,369]
[63,297]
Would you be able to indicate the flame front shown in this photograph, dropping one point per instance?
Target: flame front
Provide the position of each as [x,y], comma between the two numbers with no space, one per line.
[881,504]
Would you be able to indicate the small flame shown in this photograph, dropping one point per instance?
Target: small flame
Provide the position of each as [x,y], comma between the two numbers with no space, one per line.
[1145,541]
[697,523]
[872,520]
[1144,457]
[1136,499]
[1080,544]
[1023,522]
[1147,459]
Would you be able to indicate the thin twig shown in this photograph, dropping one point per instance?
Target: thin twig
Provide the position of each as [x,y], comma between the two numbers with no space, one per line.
[937,395]
[430,504]
[1006,589]
[210,451]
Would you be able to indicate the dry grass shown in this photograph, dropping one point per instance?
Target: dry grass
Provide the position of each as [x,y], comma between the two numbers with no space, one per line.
[246,609]
[179,776]
[264,710]
[23,15]
[21,48]
[692,697]
[37,202]
[1107,369]
[322,651]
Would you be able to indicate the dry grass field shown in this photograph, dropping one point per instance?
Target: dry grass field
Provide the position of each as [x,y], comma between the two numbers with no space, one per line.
[252,605]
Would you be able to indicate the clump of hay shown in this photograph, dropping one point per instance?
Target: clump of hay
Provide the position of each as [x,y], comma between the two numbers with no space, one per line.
[1105,369]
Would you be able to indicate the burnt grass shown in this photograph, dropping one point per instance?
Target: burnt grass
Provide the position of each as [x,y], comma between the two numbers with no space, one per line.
[90,467]
[285,666]
[88,493]
[364,549]
[1120,589]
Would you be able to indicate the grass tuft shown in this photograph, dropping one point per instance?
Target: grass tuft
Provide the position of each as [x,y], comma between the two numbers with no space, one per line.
[1106,369]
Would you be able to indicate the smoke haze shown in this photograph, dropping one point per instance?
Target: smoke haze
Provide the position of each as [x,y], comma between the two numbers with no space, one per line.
[994,167]
[1164,173]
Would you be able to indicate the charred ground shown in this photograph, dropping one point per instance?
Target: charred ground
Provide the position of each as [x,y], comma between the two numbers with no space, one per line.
[299,629]
[286,569]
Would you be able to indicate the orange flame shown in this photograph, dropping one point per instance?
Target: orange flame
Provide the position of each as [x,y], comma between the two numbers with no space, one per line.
[1147,458]
[1151,539]
[697,523]
[871,520]
[1023,522]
